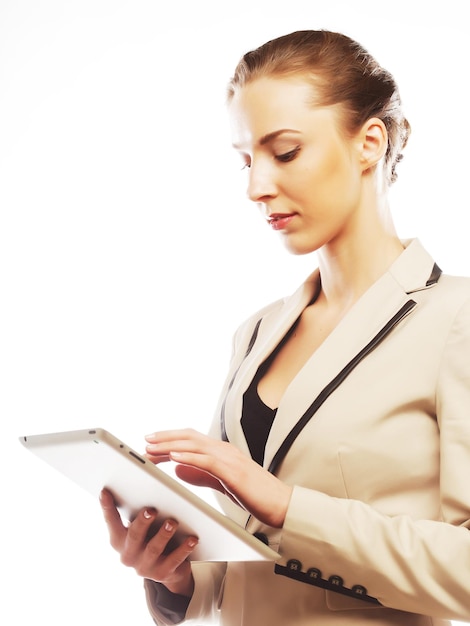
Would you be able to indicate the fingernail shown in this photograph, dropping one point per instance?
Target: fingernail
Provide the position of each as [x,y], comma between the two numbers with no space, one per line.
[169,527]
[147,514]
[192,542]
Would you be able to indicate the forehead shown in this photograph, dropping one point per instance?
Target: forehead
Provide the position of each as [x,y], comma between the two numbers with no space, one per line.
[266,105]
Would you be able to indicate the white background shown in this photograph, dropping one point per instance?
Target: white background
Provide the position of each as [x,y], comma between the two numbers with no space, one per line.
[129,253]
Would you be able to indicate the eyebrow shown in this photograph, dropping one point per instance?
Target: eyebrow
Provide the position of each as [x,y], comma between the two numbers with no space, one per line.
[271,136]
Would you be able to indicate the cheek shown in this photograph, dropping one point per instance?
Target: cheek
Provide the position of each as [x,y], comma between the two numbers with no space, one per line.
[336,181]
[336,168]
[324,186]
[326,172]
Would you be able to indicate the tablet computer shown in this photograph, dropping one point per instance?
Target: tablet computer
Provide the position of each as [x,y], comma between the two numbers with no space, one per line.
[94,459]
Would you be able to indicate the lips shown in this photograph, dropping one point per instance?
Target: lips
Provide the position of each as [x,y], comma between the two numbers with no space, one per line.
[280,221]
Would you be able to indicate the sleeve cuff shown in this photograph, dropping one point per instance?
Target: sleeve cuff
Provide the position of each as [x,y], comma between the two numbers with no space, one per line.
[165,605]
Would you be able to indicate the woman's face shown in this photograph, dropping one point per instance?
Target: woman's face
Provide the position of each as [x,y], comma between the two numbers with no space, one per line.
[305,172]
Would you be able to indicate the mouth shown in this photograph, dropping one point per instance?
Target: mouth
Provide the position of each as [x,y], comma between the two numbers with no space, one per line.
[279,221]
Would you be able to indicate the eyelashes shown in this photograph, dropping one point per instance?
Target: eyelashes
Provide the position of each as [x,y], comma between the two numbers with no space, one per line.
[286,157]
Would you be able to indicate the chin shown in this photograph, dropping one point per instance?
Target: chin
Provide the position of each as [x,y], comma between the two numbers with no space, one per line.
[299,249]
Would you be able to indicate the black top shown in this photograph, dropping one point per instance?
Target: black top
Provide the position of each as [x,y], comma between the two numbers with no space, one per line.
[257,418]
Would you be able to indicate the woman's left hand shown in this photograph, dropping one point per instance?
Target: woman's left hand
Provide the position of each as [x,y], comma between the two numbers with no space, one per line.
[208,462]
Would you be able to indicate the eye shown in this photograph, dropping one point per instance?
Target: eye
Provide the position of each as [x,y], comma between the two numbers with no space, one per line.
[288,156]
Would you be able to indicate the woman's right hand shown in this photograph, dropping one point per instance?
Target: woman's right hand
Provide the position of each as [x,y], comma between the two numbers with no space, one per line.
[148,556]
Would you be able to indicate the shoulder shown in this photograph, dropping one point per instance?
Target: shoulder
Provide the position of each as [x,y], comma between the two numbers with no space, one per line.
[457,286]
[444,315]
[451,294]
[442,308]
[247,330]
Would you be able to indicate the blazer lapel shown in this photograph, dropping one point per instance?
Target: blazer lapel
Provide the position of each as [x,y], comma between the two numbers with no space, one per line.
[370,314]
[272,329]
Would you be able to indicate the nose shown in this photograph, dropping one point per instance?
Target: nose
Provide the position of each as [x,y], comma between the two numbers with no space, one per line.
[261,184]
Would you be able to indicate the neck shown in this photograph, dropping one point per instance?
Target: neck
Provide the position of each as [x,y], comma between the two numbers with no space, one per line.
[350,266]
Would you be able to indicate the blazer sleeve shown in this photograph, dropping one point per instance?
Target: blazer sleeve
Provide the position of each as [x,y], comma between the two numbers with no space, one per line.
[420,566]
[167,608]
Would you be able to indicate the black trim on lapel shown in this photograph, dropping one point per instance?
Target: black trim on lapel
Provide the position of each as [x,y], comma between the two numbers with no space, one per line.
[334,384]
[248,350]
[435,275]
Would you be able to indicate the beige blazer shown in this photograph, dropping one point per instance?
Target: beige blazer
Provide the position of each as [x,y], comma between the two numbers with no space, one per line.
[377,528]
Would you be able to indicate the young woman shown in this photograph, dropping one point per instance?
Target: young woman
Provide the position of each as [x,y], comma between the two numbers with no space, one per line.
[342,434]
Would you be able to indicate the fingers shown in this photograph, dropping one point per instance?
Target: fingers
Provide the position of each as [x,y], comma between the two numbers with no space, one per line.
[216,464]
[157,458]
[152,556]
[116,529]
[173,443]
[197,477]
[161,446]
[158,560]
[155,558]
[171,435]
[136,537]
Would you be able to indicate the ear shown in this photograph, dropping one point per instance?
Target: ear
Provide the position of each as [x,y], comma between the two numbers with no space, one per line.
[372,142]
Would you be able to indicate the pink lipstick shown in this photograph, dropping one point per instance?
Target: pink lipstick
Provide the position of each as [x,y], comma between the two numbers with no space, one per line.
[279,221]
